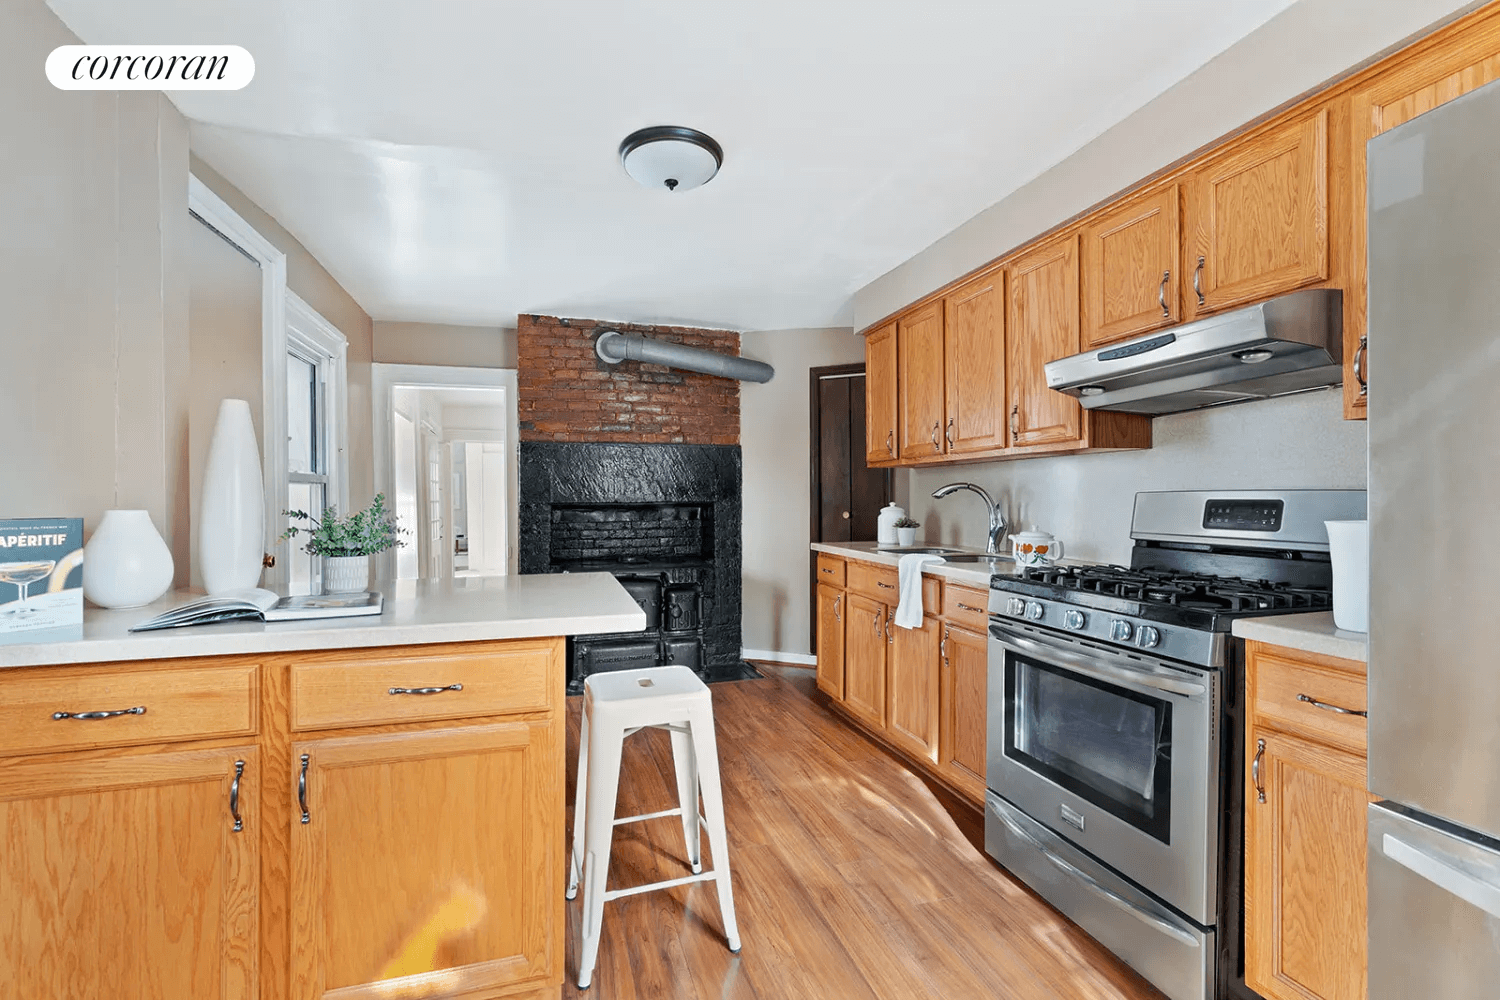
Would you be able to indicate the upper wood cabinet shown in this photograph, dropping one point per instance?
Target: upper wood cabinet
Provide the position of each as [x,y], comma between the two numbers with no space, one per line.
[974,353]
[919,379]
[880,395]
[124,875]
[1131,278]
[831,640]
[912,687]
[1042,325]
[1258,217]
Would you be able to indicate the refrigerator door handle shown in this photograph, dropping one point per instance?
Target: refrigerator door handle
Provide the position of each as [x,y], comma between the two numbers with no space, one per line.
[1444,872]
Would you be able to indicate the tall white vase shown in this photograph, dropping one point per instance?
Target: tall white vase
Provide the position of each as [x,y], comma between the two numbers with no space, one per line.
[232,512]
[126,564]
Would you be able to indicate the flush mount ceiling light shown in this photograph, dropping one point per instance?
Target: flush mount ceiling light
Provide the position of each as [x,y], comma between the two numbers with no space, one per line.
[671,157]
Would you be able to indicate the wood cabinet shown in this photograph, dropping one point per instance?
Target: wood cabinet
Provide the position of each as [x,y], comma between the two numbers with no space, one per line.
[1258,217]
[880,395]
[974,365]
[1305,845]
[1042,325]
[963,728]
[865,642]
[912,688]
[919,379]
[409,867]
[1131,278]
[125,876]
[831,640]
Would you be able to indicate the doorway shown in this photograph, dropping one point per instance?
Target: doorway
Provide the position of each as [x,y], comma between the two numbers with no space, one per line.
[846,494]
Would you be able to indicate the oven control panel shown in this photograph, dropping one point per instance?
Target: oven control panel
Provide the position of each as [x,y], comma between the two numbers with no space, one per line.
[1127,633]
[1243,515]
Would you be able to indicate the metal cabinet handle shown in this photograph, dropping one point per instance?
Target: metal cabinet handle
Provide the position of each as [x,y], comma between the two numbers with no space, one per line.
[966,607]
[1015,422]
[234,795]
[86,716]
[943,646]
[1359,365]
[882,583]
[948,432]
[836,602]
[302,789]
[935,428]
[1315,703]
[1197,279]
[431,690]
[888,637]
[889,437]
[1260,788]
[877,623]
[1161,295]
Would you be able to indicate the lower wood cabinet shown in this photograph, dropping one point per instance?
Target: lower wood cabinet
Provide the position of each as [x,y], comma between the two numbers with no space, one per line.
[1305,841]
[865,642]
[911,716]
[963,726]
[129,876]
[831,639]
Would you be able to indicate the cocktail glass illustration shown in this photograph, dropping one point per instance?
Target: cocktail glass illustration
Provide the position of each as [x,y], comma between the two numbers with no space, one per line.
[23,575]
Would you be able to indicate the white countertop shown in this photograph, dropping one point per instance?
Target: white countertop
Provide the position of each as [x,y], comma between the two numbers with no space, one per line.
[416,611]
[972,574]
[1311,632]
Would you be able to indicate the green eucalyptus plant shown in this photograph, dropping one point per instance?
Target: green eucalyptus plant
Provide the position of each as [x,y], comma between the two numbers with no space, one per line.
[365,533]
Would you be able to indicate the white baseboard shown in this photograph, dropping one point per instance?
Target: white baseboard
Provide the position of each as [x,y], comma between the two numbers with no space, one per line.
[777,656]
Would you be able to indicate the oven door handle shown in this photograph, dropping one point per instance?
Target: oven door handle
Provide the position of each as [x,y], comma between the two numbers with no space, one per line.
[1101,890]
[1096,665]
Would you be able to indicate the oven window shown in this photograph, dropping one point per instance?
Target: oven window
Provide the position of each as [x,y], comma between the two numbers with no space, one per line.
[1106,744]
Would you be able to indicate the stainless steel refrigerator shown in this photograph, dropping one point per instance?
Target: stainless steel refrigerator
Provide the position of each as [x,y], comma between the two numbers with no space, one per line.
[1434,406]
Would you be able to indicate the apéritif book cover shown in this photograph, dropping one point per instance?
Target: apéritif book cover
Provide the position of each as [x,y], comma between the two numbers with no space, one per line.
[41,573]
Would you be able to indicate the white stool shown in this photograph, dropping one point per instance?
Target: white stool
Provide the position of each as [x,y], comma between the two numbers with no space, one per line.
[615,705]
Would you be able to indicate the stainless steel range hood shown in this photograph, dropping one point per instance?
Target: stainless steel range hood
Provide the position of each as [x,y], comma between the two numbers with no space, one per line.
[1289,344]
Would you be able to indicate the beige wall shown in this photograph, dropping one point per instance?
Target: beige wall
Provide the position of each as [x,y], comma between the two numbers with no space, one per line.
[309,279]
[774,429]
[441,344]
[93,193]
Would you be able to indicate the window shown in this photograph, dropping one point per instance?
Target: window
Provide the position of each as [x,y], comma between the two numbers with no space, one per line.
[315,445]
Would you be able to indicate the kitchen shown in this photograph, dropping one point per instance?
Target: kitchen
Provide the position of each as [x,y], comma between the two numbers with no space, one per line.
[827,807]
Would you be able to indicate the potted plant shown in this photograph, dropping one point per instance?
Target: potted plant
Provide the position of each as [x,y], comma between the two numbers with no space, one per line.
[347,543]
[906,531]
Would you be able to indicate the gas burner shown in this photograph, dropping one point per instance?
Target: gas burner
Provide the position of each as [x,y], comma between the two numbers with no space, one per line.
[1201,592]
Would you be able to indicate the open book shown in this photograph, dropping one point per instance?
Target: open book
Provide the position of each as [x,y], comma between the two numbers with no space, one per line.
[254,602]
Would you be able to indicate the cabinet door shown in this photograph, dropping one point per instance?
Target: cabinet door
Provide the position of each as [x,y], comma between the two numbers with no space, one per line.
[1130,273]
[1304,870]
[865,627]
[1259,218]
[1042,326]
[428,862]
[880,395]
[911,717]
[1468,59]
[965,679]
[831,640]
[974,351]
[124,878]
[919,352]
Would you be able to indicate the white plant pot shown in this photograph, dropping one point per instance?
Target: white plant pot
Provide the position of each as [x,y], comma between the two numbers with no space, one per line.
[232,512]
[906,536]
[346,574]
[126,564]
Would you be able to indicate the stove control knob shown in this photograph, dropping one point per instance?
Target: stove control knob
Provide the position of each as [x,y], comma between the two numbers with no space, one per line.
[1034,610]
[1074,620]
[1015,607]
[1147,637]
[1120,630]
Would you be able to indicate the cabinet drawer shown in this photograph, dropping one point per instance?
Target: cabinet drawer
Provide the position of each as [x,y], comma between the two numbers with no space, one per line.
[1282,685]
[966,607]
[184,702]
[384,686]
[830,569]
[880,582]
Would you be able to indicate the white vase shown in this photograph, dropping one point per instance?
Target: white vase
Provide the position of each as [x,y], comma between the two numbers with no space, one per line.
[126,564]
[232,512]
[346,574]
[1349,552]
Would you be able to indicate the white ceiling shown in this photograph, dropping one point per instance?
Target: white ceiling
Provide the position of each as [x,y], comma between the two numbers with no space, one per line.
[456,161]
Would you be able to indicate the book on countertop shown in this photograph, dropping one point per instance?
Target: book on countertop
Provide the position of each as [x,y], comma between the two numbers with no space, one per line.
[41,573]
[265,605]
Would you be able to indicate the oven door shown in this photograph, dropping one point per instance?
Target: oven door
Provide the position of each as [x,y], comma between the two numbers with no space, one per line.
[1116,751]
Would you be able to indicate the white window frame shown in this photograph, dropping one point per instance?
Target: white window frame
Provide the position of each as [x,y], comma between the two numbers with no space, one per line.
[312,336]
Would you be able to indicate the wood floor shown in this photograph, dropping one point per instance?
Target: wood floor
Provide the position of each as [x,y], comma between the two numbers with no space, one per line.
[853,879]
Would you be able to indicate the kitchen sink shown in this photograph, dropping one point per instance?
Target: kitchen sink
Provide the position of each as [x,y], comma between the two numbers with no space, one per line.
[976,557]
[930,550]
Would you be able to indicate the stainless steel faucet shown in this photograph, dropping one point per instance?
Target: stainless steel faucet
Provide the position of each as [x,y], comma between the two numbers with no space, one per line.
[997,516]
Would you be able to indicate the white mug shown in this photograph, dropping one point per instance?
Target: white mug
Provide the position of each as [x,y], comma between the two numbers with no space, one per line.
[1035,548]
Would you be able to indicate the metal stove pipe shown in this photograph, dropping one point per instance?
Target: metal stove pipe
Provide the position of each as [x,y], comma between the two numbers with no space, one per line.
[614,347]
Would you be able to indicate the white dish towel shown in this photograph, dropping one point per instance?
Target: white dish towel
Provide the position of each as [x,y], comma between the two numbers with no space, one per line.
[909,584]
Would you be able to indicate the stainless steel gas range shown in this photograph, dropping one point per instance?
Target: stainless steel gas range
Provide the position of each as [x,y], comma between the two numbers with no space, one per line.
[1116,745]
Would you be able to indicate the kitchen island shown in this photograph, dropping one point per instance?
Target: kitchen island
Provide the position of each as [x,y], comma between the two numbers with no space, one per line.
[336,808]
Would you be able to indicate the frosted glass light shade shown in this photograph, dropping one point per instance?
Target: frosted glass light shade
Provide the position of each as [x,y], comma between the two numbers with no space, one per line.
[671,158]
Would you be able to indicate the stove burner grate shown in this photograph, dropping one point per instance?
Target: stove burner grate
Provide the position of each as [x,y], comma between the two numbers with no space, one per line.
[1199,591]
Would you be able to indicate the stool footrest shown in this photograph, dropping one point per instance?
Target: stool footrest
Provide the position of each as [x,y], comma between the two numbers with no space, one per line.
[633,890]
[645,816]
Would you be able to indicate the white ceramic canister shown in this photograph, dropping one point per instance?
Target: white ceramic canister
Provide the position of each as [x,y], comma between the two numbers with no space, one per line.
[126,564]
[885,523]
[1349,551]
[1035,548]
